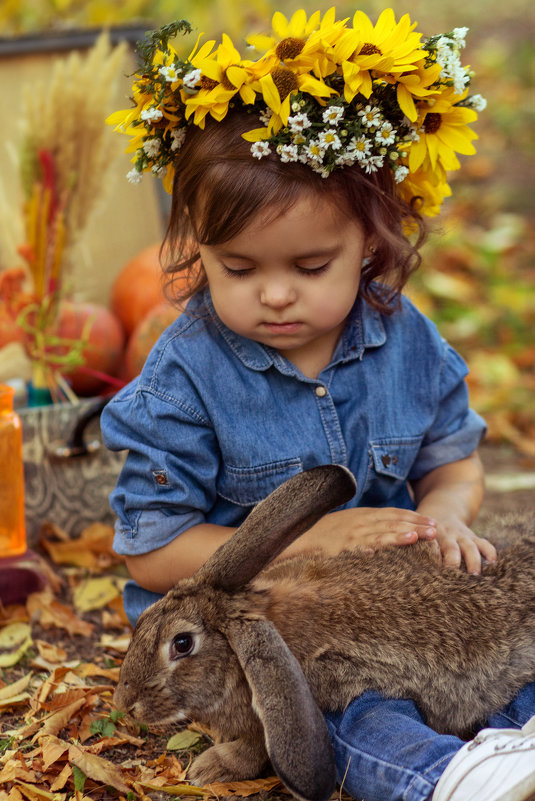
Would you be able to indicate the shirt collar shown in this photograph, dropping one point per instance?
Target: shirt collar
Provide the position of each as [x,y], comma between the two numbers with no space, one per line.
[364,329]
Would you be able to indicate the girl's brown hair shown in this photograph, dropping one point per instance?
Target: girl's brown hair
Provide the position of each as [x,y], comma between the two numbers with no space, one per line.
[219,187]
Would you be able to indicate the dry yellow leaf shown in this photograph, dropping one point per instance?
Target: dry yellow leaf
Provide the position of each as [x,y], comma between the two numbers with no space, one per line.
[15,639]
[94,593]
[98,768]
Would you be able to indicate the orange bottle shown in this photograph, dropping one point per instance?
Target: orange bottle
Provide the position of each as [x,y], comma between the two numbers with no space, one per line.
[12,526]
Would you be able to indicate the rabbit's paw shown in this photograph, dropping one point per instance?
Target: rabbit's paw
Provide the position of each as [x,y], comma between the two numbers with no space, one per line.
[227,762]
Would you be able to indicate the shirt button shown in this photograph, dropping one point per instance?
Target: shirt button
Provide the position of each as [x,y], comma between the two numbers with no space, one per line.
[320,391]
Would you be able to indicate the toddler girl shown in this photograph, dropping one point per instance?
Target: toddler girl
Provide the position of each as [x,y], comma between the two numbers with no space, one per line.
[297,348]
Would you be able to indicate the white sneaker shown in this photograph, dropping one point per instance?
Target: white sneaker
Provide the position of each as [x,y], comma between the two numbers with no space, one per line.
[497,765]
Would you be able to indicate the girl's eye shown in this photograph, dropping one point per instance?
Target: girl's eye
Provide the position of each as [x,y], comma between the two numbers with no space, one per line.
[236,272]
[312,270]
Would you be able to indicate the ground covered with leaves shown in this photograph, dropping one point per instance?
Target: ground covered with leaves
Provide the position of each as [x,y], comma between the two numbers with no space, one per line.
[60,653]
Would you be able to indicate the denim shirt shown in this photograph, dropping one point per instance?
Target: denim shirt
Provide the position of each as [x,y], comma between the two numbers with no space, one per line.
[216,421]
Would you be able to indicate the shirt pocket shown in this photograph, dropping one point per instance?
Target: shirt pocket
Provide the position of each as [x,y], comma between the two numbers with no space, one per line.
[391,460]
[247,486]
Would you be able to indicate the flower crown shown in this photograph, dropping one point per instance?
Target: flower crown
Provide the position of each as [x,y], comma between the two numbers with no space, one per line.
[325,93]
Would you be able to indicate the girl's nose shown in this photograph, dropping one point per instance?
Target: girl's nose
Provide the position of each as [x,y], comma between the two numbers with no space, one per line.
[277,294]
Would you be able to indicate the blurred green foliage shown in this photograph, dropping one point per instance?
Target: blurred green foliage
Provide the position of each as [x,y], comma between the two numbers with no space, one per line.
[478,277]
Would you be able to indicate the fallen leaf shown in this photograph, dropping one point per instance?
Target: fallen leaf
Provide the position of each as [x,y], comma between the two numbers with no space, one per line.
[50,653]
[16,687]
[52,749]
[98,768]
[244,788]
[119,644]
[50,612]
[15,639]
[175,789]
[58,720]
[34,793]
[182,739]
[94,593]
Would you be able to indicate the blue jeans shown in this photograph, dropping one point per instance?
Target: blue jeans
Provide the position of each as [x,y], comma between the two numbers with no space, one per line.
[384,751]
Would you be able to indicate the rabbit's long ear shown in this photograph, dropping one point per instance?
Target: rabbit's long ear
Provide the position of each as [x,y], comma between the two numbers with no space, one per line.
[296,735]
[275,523]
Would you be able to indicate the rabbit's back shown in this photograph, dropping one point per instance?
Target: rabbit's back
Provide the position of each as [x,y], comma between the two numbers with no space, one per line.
[398,622]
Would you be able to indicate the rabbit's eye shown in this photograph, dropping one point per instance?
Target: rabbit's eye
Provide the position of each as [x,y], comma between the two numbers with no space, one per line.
[182,645]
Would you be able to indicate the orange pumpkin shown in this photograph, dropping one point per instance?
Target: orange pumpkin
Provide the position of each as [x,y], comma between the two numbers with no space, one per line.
[145,335]
[138,288]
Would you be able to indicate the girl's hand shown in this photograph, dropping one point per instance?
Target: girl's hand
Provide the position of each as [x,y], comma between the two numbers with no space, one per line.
[367,528]
[458,543]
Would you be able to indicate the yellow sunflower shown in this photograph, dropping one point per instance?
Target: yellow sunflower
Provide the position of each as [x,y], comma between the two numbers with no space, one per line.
[222,75]
[443,132]
[386,48]
[429,190]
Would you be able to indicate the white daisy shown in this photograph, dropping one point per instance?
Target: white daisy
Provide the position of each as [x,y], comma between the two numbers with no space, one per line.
[169,73]
[191,79]
[298,122]
[361,147]
[373,163]
[288,153]
[386,135]
[333,114]
[260,149]
[371,116]
[314,151]
[330,138]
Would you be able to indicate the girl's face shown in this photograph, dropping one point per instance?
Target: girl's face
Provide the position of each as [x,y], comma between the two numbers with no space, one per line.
[291,281]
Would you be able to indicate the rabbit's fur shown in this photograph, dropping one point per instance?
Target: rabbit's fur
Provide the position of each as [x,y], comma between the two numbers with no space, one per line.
[255,657]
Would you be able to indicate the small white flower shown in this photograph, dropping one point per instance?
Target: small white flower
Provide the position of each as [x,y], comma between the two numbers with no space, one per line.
[478,102]
[386,135]
[191,79]
[361,147]
[296,106]
[260,149]
[400,173]
[134,176]
[373,163]
[315,151]
[177,138]
[298,123]
[371,116]
[330,138]
[152,114]
[158,170]
[298,139]
[152,147]
[333,114]
[459,34]
[288,153]
[169,73]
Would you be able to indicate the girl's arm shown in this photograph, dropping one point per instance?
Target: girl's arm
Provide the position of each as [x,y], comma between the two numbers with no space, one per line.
[160,569]
[369,528]
[452,495]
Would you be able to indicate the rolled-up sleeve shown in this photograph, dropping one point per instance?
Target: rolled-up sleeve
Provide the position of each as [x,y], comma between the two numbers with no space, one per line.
[457,429]
[168,481]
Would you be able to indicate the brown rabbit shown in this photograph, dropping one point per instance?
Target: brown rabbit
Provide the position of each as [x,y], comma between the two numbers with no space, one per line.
[256,657]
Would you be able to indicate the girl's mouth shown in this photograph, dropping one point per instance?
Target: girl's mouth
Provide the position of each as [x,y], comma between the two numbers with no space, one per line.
[283,328]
